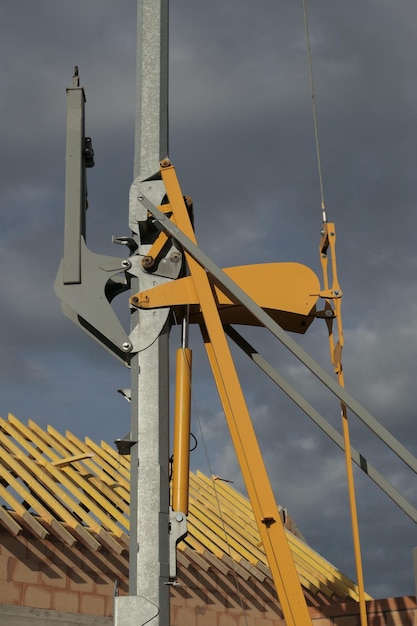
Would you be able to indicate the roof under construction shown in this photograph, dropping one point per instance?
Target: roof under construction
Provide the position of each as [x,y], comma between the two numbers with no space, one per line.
[56,487]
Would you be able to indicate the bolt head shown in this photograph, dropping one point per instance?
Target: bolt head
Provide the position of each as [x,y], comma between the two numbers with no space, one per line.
[148,262]
[179,517]
[126,346]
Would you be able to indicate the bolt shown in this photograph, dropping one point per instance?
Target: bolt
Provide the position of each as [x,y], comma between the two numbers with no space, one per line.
[176,257]
[322,232]
[336,292]
[165,163]
[328,313]
[134,300]
[126,346]
[148,262]
[331,234]
[126,264]
[179,517]
[140,198]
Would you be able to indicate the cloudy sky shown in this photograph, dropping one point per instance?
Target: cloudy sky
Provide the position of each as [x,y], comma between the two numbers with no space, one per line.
[242,141]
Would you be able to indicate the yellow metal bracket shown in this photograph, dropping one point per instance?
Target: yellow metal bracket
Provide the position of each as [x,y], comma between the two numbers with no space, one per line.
[333,294]
[148,261]
[160,242]
[330,294]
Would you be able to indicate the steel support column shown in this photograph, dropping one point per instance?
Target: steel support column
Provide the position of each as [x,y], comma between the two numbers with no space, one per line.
[148,602]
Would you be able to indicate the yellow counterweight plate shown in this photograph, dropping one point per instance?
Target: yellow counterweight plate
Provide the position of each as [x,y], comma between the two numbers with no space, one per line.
[287,291]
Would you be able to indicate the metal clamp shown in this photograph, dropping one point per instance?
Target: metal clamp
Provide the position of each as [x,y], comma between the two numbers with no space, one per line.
[177,531]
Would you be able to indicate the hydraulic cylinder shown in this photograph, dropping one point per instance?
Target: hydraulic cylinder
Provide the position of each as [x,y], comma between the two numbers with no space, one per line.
[182,420]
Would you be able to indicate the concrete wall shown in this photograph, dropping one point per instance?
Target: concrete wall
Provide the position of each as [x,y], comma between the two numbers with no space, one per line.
[393,612]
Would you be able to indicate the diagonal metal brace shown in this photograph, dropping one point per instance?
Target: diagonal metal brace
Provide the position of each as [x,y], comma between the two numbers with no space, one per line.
[322,423]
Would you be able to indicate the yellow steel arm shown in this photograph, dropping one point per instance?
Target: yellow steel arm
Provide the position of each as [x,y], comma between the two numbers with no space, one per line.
[253,469]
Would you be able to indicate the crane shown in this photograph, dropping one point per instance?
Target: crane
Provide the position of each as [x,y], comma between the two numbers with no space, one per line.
[166,271]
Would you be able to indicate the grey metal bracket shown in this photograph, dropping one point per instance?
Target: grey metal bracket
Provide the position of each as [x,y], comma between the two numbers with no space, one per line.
[177,532]
[87,282]
[154,189]
[168,267]
[150,323]
[87,303]
[75,182]
[124,444]
[126,393]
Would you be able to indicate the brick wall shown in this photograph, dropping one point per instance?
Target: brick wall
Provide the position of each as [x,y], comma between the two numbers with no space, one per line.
[49,581]
[50,575]
[387,612]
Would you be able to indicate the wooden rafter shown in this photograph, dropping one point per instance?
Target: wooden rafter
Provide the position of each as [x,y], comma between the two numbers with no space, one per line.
[78,492]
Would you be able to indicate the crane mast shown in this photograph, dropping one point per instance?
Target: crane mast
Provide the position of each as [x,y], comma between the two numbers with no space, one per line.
[148,597]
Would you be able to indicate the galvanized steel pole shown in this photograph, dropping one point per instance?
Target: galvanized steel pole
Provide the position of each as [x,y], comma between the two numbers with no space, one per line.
[148,570]
[148,601]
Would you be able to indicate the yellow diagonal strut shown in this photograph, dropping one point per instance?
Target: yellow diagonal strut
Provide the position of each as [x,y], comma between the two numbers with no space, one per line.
[253,469]
[328,243]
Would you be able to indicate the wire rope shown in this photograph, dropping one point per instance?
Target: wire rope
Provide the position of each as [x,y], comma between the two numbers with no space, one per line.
[314,107]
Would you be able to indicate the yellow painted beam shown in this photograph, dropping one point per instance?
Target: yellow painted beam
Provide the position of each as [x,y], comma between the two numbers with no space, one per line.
[77,486]
[117,481]
[93,472]
[116,463]
[50,477]
[240,425]
[44,488]
[70,460]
